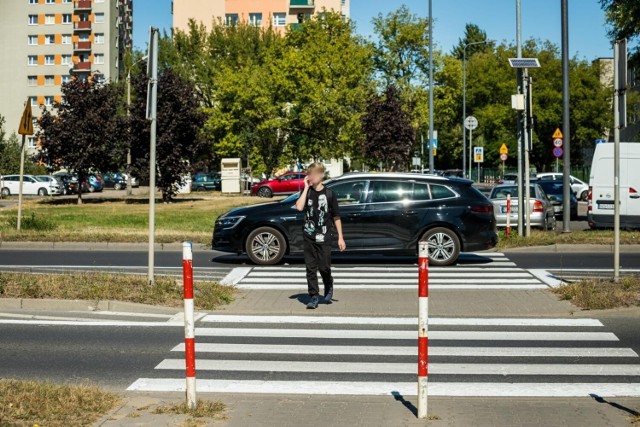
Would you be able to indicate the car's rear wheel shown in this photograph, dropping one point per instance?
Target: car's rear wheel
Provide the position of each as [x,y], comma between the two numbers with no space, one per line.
[266,246]
[550,223]
[92,189]
[6,192]
[443,244]
[42,192]
[117,186]
[584,196]
[200,189]
[265,192]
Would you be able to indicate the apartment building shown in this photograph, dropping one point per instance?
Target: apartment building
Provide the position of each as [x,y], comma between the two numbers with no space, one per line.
[45,43]
[281,14]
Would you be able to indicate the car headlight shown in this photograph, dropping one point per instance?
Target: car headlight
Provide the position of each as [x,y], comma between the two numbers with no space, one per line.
[229,221]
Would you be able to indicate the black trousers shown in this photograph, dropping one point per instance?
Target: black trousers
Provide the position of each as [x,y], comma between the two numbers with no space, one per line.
[317,257]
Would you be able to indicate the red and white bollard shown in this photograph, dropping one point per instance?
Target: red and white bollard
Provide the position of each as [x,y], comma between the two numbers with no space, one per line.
[508,216]
[423,327]
[189,324]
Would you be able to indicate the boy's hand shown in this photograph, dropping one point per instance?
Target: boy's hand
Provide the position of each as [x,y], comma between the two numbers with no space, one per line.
[307,181]
[342,245]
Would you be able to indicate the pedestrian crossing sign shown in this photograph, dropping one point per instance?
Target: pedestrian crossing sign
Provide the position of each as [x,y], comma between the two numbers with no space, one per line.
[26,122]
[478,154]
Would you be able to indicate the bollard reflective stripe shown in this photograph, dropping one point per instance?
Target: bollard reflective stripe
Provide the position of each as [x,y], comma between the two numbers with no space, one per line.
[423,327]
[189,324]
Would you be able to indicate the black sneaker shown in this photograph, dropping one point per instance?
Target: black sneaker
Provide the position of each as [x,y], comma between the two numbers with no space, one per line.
[313,302]
[328,296]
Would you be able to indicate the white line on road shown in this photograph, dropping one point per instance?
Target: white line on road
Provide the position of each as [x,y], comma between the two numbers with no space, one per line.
[301,274]
[409,321]
[371,280]
[312,349]
[273,287]
[85,323]
[404,389]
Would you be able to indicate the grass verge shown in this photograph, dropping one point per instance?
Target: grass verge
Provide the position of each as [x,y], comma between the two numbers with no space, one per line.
[166,291]
[584,237]
[203,409]
[47,404]
[600,294]
[117,220]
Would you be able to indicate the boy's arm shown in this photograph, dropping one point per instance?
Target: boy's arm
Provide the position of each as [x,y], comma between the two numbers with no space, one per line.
[302,200]
[341,243]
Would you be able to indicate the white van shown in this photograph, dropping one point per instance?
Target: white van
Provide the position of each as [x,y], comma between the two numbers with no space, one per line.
[30,185]
[600,213]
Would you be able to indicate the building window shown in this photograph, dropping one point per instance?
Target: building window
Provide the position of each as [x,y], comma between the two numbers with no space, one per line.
[66,18]
[48,101]
[49,80]
[32,141]
[50,2]
[66,1]
[49,59]
[98,38]
[32,60]
[32,40]
[66,60]
[34,101]
[66,39]
[98,58]
[33,1]
[99,18]
[231,19]
[49,39]
[32,80]
[66,79]
[98,1]
[33,19]
[84,37]
[49,19]
[279,19]
[255,19]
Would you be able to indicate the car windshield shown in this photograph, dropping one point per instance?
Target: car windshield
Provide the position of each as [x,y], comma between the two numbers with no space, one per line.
[503,192]
[552,187]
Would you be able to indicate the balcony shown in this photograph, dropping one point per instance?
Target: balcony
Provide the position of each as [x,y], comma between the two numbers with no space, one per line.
[302,4]
[82,46]
[82,5]
[82,26]
[82,67]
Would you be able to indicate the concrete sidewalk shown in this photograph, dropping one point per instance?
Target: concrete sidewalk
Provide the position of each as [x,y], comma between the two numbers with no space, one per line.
[383,411]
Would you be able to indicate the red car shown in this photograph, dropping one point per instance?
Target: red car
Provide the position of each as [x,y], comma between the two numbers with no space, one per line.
[288,183]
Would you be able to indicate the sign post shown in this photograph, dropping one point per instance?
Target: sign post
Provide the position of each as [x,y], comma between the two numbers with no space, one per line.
[26,128]
[152,101]
[504,155]
[470,123]
[478,157]
[558,151]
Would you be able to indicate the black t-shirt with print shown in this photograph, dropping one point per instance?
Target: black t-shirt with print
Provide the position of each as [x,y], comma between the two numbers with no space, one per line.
[320,210]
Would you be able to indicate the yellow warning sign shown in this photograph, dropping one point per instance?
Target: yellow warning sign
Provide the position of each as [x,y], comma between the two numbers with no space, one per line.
[557,134]
[26,122]
[504,149]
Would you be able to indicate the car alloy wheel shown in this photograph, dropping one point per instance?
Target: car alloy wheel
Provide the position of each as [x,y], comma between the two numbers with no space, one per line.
[6,192]
[92,189]
[265,192]
[265,246]
[443,245]
[584,196]
[42,192]
[117,186]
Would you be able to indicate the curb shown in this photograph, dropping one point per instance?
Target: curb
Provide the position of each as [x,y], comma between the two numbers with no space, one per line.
[99,246]
[49,304]
[570,248]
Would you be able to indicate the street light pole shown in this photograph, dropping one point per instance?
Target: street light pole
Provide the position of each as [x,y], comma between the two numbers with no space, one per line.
[431,159]
[521,141]
[464,106]
[566,183]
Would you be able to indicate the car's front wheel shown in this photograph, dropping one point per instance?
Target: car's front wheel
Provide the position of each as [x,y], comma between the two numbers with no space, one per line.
[117,186]
[92,189]
[443,244]
[265,192]
[6,192]
[266,246]
[42,192]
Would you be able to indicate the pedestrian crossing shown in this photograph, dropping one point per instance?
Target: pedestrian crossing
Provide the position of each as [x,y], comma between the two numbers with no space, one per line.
[378,356]
[473,271]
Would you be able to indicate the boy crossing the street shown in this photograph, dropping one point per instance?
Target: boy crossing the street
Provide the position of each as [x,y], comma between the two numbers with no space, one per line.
[322,214]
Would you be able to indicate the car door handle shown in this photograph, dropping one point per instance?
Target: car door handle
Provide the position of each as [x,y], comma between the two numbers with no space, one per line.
[354,215]
[410,212]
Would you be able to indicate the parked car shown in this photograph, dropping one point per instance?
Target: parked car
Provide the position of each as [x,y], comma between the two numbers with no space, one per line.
[601,189]
[542,214]
[288,183]
[56,187]
[509,179]
[30,185]
[70,182]
[579,188]
[114,180]
[381,213]
[555,193]
[135,182]
[94,183]
[206,182]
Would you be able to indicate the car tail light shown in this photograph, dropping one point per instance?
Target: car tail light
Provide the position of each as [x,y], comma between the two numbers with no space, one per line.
[590,199]
[482,208]
[632,190]
[538,206]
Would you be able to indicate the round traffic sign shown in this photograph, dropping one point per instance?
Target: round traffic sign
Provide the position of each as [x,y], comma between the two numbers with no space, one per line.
[503,157]
[558,151]
[471,123]
[557,142]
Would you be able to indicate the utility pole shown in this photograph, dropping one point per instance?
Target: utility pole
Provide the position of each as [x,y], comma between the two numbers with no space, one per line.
[566,128]
[152,101]
[431,159]
[521,142]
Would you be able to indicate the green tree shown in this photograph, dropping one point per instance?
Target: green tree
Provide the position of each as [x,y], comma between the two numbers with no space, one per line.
[474,36]
[85,132]
[624,18]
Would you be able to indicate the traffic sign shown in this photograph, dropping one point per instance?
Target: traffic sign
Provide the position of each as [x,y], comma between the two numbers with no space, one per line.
[26,122]
[557,134]
[471,123]
[503,157]
[478,154]
[558,152]
[558,142]
[504,149]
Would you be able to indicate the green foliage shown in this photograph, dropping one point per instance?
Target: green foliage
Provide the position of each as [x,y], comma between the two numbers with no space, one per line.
[624,18]
[10,156]
[33,222]
[475,38]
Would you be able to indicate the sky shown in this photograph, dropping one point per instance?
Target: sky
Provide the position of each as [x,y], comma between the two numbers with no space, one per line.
[540,20]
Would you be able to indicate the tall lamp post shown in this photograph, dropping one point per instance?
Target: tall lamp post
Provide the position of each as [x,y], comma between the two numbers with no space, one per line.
[464,105]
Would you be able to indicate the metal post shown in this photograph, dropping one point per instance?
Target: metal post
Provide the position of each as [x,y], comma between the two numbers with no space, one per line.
[423,327]
[189,325]
[527,132]
[566,128]
[470,151]
[129,149]
[520,122]
[616,165]
[152,101]
[431,158]
[464,111]
[20,185]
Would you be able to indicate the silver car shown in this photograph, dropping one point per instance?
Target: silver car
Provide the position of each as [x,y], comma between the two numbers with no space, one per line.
[56,187]
[542,213]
